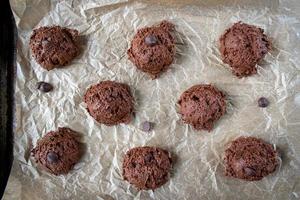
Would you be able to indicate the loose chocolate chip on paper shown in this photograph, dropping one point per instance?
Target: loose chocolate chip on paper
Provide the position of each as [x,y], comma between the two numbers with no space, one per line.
[263,102]
[147,126]
[44,87]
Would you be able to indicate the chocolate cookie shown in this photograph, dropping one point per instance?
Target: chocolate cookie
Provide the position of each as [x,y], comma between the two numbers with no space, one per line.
[201,106]
[242,46]
[147,167]
[109,102]
[54,47]
[58,151]
[153,48]
[250,158]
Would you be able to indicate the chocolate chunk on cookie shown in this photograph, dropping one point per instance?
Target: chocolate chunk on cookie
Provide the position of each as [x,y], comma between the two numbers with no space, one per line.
[152,49]
[147,167]
[250,158]
[242,46]
[201,106]
[110,103]
[58,151]
[54,46]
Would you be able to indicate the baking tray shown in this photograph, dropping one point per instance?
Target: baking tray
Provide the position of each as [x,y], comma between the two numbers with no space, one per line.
[7,74]
[107,27]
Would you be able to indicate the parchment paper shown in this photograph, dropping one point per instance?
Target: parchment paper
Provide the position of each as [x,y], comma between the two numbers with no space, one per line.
[107,28]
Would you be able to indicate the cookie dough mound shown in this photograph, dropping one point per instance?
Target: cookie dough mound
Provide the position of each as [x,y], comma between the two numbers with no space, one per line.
[250,158]
[242,46]
[147,167]
[58,151]
[201,106]
[153,49]
[54,47]
[110,103]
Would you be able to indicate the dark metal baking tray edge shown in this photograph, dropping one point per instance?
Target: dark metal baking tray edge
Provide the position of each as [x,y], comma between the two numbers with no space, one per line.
[7,75]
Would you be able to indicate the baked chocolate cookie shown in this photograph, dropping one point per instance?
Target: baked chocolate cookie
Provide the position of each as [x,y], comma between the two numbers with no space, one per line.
[242,46]
[152,49]
[250,158]
[58,151]
[110,103]
[201,106]
[147,167]
[54,46]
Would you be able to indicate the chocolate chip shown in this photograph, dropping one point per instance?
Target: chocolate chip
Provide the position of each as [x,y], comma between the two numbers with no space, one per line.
[44,87]
[147,126]
[195,98]
[263,102]
[52,157]
[151,40]
[133,165]
[54,61]
[148,158]
[249,171]
[45,42]
[138,165]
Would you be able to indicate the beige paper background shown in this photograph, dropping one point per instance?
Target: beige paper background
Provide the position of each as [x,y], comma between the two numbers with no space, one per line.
[107,27]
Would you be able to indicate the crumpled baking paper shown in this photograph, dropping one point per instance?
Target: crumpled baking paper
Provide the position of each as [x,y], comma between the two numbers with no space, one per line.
[107,28]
